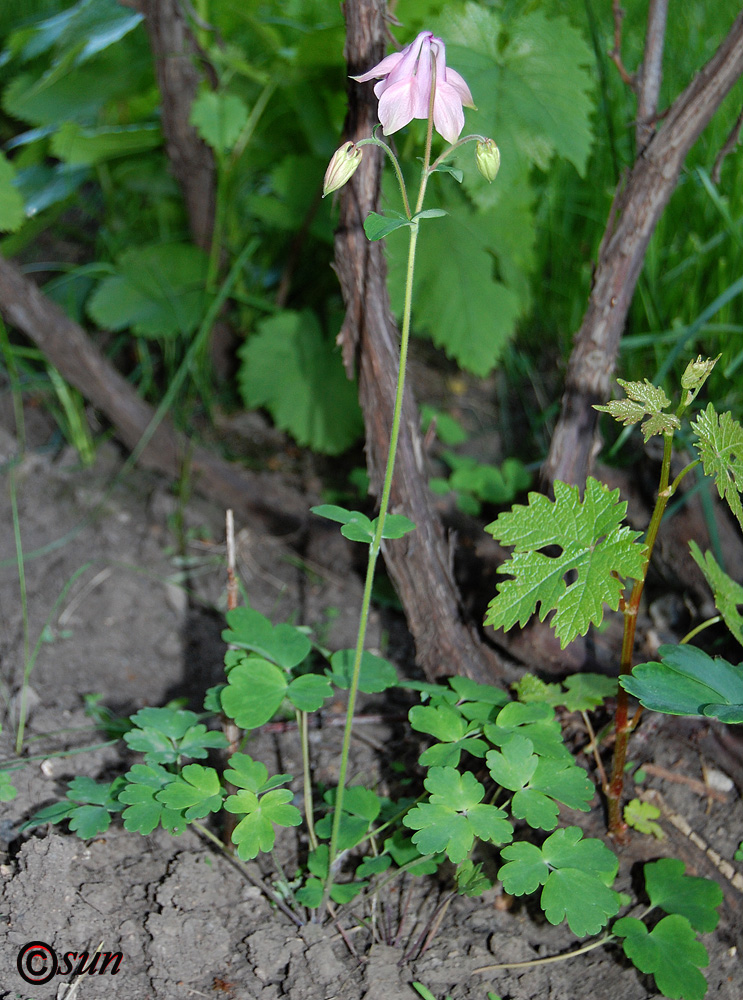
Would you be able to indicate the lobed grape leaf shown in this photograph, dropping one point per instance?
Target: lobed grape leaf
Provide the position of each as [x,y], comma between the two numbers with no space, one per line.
[594,545]
[158,291]
[576,875]
[690,896]
[721,450]
[687,681]
[219,119]
[454,816]
[644,400]
[670,952]
[294,370]
[727,593]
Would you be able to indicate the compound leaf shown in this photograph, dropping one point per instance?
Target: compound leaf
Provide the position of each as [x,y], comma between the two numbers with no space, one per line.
[595,547]
[670,952]
[721,450]
[514,766]
[196,792]
[282,644]
[641,816]
[376,674]
[255,832]
[579,897]
[687,681]
[144,812]
[727,593]
[254,692]
[689,896]
[309,691]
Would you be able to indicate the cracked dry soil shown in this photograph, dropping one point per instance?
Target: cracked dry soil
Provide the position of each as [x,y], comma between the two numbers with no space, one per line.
[186,923]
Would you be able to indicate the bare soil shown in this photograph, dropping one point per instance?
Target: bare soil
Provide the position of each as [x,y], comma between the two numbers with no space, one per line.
[141,626]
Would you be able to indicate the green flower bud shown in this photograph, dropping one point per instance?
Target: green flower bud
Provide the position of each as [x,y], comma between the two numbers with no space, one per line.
[487,155]
[341,168]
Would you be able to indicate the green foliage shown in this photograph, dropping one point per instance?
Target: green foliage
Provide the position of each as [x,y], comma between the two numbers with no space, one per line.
[165,735]
[644,401]
[256,688]
[454,815]
[219,118]
[578,693]
[358,528]
[158,291]
[260,802]
[196,792]
[290,367]
[594,544]
[475,482]
[576,875]
[721,450]
[12,214]
[696,899]
[8,791]
[283,644]
[670,952]
[144,811]
[727,593]
[88,806]
[687,681]
[641,816]
[376,674]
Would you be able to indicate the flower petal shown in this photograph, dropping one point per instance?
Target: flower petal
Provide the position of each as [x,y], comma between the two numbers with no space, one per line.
[383,68]
[455,80]
[448,117]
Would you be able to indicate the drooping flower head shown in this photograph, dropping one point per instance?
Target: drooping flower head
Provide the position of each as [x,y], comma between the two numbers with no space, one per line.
[404,88]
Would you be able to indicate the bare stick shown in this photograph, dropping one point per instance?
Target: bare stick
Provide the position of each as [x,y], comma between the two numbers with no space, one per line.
[651,74]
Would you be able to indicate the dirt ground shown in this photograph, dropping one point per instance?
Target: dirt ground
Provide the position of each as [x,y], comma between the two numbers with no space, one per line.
[141,626]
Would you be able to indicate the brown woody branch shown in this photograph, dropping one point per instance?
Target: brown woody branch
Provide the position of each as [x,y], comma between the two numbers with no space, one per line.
[66,346]
[621,254]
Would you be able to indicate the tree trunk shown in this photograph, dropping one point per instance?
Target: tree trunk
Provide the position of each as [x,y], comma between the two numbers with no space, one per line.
[635,214]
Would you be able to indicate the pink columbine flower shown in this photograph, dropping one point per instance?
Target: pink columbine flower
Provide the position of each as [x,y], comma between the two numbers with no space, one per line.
[404,88]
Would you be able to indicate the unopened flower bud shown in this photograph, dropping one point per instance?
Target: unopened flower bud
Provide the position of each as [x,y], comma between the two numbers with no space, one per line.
[341,168]
[487,155]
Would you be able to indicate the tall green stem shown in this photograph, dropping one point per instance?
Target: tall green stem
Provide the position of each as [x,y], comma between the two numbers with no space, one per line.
[376,543]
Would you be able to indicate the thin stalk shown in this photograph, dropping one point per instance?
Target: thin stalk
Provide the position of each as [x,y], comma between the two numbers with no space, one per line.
[623,726]
[546,961]
[258,883]
[302,727]
[700,628]
[27,663]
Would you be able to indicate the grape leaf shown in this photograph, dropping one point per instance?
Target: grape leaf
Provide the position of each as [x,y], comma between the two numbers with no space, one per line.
[219,119]
[594,545]
[689,896]
[644,400]
[727,593]
[721,450]
[283,644]
[195,793]
[293,370]
[670,952]
[455,815]
[158,291]
[687,681]
[576,875]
